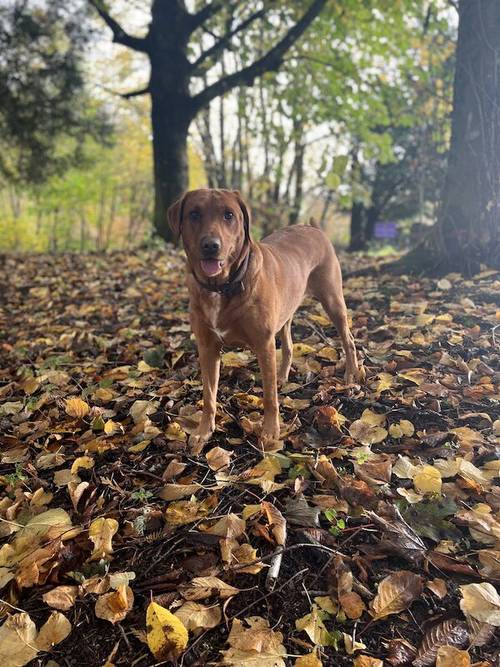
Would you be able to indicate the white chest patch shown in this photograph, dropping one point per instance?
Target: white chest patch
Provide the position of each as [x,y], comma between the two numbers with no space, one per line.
[212,313]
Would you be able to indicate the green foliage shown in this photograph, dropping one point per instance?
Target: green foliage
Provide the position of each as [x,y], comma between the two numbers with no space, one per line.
[45,113]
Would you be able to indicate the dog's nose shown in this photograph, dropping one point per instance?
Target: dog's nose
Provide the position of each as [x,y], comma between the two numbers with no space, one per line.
[211,246]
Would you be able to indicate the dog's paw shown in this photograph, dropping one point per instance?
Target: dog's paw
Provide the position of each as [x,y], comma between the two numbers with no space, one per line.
[355,375]
[269,438]
[199,439]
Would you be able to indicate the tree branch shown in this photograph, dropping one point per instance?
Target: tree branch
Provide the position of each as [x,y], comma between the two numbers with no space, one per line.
[135,93]
[206,12]
[269,62]
[223,42]
[120,36]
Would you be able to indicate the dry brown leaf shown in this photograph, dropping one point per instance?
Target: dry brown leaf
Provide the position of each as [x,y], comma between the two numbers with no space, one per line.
[367,661]
[218,458]
[352,604]
[55,629]
[310,660]
[451,632]
[252,643]
[229,527]
[395,593]
[277,522]
[482,602]
[194,616]
[61,597]
[113,607]
[101,533]
[438,587]
[200,588]
[449,656]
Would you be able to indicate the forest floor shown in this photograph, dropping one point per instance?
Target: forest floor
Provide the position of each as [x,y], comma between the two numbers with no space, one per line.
[383,499]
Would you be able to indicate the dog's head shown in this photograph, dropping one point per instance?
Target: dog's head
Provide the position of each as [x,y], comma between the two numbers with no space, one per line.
[214,226]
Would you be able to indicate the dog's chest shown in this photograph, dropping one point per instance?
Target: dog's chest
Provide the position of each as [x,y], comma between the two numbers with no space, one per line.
[214,316]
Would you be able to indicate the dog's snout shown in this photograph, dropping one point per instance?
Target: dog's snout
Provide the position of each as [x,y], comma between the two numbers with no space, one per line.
[210,246]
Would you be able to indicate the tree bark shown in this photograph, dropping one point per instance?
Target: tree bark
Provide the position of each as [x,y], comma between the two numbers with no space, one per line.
[172,106]
[467,232]
[357,241]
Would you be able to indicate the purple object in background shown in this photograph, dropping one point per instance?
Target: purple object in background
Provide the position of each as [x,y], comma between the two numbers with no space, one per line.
[385,230]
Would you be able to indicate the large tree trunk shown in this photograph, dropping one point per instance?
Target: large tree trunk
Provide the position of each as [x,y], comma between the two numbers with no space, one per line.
[467,232]
[171,106]
[357,241]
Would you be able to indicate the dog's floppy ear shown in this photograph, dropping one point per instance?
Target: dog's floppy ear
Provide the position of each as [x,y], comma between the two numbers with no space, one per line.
[246,213]
[174,215]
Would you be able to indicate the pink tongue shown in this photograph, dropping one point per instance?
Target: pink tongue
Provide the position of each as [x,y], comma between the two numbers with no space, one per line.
[211,267]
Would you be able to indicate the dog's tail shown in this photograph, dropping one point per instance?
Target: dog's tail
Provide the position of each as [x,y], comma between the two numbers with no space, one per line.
[314,223]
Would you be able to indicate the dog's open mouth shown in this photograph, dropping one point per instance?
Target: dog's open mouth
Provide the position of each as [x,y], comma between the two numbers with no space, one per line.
[211,267]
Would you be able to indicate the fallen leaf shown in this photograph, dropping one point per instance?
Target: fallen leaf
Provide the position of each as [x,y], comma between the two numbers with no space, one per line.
[194,616]
[55,629]
[450,632]
[449,656]
[200,588]
[115,606]
[167,636]
[101,533]
[76,407]
[61,597]
[218,458]
[427,479]
[252,643]
[482,602]
[367,661]
[310,660]
[395,593]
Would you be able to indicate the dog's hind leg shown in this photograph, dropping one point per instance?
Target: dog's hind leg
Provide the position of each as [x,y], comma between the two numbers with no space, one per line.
[325,283]
[285,335]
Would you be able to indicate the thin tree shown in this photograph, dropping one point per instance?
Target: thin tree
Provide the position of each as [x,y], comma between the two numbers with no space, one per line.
[467,232]
[174,104]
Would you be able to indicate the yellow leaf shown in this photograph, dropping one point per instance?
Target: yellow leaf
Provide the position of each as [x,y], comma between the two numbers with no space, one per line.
[82,462]
[111,427]
[249,400]
[175,432]
[427,479]
[166,634]
[301,349]
[310,660]
[76,407]
[235,359]
[329,353]
[367,661]
[385,382]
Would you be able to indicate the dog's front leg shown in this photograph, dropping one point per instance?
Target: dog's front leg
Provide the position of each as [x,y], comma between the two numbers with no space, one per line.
[266,356]
[209,348]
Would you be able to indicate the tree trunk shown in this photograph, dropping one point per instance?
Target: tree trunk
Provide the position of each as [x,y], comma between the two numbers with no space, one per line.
[357,227]
[171,107]
[467,232]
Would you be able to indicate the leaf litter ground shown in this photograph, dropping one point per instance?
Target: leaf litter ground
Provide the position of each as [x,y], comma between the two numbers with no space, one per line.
[372,536]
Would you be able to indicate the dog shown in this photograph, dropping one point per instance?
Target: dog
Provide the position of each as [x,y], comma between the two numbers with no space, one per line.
[244,293]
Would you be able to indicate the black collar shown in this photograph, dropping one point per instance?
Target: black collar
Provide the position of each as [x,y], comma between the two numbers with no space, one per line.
[234,284]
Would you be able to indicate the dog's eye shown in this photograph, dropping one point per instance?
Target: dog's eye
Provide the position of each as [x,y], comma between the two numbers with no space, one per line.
[228,215]
[194,216]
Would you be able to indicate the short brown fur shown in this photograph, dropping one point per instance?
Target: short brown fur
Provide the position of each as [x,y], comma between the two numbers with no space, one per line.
[283,267]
